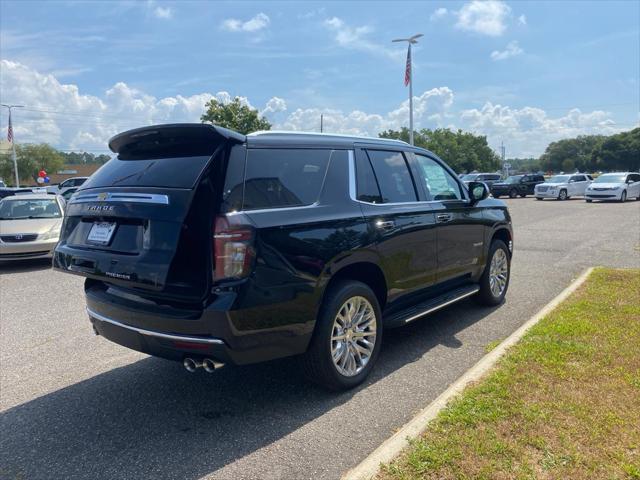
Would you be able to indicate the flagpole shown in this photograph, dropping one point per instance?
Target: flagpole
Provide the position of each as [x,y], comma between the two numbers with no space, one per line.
[410,97]
[11,137]
[408,78]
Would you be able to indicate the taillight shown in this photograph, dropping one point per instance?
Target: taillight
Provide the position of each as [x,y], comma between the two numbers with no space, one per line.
[233,250]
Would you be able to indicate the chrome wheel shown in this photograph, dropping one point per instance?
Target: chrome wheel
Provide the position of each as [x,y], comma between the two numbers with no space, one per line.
[498,272]
[353,336]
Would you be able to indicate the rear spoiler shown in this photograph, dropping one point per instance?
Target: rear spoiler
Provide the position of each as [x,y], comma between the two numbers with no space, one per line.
[172,140]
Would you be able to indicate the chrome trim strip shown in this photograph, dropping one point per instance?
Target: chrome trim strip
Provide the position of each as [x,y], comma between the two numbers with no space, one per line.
[155,198]
[438,307]
[150,333]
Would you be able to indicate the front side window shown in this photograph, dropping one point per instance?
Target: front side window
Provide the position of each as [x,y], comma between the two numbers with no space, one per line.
[438,182]
[277,178]
[392,172]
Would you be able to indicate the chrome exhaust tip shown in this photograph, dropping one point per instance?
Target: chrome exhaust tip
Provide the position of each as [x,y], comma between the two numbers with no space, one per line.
[210,365]
[191,365]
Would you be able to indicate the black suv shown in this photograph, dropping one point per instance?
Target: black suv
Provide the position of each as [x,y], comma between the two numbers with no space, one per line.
[209,247]
[515,185]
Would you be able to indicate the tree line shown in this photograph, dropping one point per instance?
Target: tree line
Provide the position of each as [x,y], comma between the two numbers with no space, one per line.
[32,158]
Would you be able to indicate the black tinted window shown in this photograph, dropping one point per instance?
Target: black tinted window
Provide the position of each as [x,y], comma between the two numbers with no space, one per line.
[367,186]
[283,177]
[234,180]
[393,176]
[179,172]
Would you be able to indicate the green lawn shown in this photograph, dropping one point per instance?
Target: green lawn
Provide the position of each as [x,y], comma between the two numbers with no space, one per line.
[564,403]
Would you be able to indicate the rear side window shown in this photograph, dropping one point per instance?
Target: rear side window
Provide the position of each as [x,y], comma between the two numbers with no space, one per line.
[367,186]
[277,178]
[393,176]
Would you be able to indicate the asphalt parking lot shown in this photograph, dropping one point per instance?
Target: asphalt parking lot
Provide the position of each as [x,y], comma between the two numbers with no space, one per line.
[74,405]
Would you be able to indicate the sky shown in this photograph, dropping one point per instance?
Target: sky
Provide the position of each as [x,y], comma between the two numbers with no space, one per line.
[522,73]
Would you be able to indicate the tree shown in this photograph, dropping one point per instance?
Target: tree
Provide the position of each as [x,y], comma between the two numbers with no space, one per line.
[235,116]
[462,151]
[31,159]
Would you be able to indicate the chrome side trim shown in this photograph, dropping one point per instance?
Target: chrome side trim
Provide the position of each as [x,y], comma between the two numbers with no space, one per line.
[442,305]
[155,198]
[150,333]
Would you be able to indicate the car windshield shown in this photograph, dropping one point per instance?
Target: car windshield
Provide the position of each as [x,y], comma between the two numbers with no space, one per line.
[610,178]
[559,179]
[469,177]
[513,179]
[18,209]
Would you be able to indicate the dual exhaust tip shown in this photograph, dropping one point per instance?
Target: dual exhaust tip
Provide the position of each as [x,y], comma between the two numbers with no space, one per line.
[209,365]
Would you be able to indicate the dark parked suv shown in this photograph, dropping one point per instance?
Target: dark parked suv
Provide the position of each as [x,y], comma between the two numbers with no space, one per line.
[205,246]
[515,185]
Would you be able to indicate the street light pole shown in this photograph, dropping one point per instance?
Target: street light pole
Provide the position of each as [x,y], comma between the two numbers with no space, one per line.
[11,137]
[408,78]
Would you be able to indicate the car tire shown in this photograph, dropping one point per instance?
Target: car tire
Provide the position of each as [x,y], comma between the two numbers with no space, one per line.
[588,200]
[623,196]
[539,198]
[523,195]
[346,372]
[490,295]
[563,195]
[495,196]
[513,193]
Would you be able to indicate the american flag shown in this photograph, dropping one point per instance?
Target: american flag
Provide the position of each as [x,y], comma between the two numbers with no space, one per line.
[407,71]
[10,131]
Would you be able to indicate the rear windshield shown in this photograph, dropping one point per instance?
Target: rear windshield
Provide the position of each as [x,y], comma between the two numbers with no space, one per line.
[176,172]
[276,178]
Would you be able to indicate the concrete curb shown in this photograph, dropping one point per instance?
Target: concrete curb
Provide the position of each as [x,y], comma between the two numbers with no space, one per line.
[393,446]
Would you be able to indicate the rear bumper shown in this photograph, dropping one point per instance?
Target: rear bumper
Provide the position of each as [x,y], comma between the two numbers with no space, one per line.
[175,334]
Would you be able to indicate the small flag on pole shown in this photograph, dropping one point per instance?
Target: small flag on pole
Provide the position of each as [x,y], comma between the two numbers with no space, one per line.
[10,131]
[407,71]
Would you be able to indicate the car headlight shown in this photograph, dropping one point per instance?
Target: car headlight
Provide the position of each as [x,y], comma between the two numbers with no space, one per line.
[53,232]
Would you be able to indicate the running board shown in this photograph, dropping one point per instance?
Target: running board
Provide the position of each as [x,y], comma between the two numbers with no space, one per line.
[414,312]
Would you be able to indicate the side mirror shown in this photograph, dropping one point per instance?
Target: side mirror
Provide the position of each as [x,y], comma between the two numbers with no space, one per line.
[478,191]
[629,180]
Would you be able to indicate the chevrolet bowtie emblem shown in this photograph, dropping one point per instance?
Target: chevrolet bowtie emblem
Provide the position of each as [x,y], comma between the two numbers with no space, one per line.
[102,196]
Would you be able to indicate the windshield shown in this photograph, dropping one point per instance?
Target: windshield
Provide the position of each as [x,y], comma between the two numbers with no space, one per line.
[513,179]
[469,177]
[18,209]
[611,178]
[559,179]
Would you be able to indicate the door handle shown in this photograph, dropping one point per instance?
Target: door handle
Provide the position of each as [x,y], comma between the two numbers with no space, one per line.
[443,217]
[385,225]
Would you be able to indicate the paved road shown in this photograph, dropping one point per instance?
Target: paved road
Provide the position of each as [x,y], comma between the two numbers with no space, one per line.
[76,406]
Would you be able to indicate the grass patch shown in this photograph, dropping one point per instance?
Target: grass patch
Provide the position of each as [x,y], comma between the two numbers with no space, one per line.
[562,403]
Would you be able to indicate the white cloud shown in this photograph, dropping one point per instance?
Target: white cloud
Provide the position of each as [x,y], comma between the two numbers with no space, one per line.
[356,38]
[258,22]
[163,12]
[62,115]
[522,20]
[438,14]
[485,17]
[527,131]
[512,50]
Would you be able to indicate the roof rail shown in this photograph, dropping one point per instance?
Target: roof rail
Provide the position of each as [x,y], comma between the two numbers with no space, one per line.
[341,135]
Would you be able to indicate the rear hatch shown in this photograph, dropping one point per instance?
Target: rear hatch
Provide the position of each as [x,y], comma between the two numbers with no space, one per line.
[143,220]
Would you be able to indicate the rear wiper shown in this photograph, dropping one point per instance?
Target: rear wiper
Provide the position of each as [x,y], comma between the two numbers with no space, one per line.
[141,173]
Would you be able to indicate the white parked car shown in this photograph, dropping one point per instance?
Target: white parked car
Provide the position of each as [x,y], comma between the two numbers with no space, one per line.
[562,187]
[73,182]
[614,186]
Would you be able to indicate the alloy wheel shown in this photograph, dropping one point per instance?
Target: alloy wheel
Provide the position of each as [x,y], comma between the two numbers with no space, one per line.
[498,272]
[353,337]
